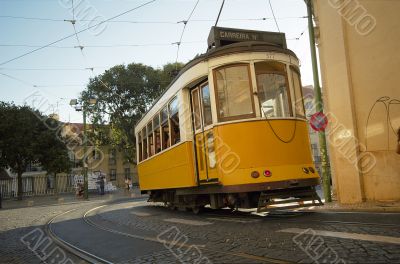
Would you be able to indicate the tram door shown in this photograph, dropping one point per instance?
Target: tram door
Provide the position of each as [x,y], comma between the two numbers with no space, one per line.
[202,119]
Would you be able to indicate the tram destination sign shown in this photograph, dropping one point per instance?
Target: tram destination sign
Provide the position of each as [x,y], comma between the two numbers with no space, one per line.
[220,36]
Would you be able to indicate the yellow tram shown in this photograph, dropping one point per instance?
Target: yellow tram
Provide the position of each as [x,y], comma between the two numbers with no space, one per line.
[230,130]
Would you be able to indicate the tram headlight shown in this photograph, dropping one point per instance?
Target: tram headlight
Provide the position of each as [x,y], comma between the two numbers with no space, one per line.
[255,174]
[311,169]
[305,170]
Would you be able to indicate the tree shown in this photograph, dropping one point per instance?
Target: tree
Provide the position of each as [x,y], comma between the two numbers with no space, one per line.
[26,137]
[123,94]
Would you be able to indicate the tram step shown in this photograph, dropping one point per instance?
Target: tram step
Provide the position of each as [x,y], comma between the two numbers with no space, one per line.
[269,200]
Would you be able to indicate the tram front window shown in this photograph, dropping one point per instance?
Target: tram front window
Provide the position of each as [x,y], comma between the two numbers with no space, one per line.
[299,105]
[233,92]
[273,90]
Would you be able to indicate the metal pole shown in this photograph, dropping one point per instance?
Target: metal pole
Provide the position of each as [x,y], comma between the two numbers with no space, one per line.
[319,107]
[85,165]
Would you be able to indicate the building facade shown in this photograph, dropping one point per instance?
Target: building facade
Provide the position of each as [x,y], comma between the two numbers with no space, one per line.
[105,159]
[358,43]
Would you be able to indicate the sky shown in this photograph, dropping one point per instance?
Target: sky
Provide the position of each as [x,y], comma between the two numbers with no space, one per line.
[48,78]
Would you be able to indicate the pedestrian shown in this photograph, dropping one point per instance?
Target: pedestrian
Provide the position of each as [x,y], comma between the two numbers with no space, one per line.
[79,190]
[0,200]
[102,185]
[127,184]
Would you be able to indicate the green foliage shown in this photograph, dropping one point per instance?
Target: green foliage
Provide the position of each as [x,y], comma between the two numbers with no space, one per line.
[26,137]
[123,94]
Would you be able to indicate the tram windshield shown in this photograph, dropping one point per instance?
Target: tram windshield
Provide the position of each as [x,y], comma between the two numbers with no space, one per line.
[273,89]
[234,95]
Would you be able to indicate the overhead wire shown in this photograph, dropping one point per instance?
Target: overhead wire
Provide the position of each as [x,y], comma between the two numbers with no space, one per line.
[48,69]
[144,21]
[83,30]
[18,79]
[273,14]
[101,46]
[183,31]
[29,84]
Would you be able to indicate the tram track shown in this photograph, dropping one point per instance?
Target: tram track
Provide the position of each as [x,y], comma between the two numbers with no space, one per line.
[87,219]
[69,247]
[92,258]
[290,217]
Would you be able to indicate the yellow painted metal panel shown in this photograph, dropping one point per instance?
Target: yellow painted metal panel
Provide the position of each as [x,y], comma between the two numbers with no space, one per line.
[241,148]
[253,146]
[171,169]
[201,157]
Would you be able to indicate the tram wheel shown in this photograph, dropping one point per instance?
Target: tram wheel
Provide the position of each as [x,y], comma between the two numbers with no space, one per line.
[197,209]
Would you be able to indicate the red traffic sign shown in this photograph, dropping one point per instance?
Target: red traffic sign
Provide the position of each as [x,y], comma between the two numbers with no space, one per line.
[318,121]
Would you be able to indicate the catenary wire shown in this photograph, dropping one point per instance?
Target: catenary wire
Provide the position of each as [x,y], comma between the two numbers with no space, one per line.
[143,21]
[273,14]
[183,31]
[71,35]
[102,46]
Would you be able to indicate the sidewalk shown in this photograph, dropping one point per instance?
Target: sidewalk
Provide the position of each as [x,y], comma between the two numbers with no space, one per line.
[378,207]
[67,199]
[335,206]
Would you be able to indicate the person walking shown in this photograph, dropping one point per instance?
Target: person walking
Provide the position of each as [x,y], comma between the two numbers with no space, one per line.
[102,186]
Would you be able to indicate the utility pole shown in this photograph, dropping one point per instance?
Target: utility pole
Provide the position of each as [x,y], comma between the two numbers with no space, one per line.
[85,165]
[80,106]
[319,106]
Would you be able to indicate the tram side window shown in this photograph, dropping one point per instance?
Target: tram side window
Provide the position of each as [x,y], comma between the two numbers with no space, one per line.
[150,139]
[205,94]
[165,140]
[144,135]
[174,121]
[234,95]
[157,133]
[140,144]
[273,89]
[196,109]
[299,104]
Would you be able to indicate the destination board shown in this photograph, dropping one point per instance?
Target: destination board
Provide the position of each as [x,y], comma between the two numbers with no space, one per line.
[220,36]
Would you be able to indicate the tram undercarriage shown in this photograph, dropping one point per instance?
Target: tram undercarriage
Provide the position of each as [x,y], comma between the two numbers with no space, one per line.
[264,200]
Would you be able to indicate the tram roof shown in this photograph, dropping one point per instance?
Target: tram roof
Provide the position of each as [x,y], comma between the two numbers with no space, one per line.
[245,46]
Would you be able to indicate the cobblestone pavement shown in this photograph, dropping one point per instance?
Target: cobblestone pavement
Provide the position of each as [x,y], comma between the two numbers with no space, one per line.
[18,218]
[217,236]
[259,236]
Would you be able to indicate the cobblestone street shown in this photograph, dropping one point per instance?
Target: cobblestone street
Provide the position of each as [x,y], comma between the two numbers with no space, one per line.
[134,231]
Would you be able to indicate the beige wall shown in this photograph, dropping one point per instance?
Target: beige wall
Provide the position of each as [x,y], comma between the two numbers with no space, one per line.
[360,65]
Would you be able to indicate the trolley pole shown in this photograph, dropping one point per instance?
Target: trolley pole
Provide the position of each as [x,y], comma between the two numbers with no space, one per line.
[85,165]
[319,107]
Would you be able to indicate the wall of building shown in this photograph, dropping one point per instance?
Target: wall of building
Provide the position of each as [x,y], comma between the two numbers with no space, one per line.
[358,44]
[101,159]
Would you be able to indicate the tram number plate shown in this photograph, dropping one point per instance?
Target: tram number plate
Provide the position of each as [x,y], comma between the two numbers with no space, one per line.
[270,57]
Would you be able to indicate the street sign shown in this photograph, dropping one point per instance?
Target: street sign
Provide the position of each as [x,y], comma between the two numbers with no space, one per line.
[318,121]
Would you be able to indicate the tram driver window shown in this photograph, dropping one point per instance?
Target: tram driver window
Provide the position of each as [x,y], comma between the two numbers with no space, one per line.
[165,142]
[234,95]
[299,104]
[273,89]
[174,121]
[157,134]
